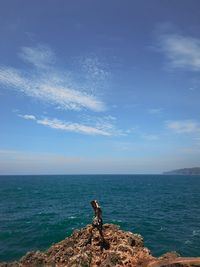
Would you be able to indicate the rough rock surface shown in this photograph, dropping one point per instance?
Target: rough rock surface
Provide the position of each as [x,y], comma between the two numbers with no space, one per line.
[121,249]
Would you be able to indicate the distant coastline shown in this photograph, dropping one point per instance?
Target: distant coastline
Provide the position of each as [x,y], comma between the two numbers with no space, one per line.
[184,171]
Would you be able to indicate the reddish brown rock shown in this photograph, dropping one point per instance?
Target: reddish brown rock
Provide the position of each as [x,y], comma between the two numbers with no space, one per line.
[121,249]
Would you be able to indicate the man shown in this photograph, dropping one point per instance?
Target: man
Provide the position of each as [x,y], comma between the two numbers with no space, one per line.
[97,221]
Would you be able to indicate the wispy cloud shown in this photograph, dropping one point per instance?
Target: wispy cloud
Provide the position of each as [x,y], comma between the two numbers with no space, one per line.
[73,127]
[105,123]
[28,117]
[47,85]
[182,51]
[40,56]
[155,111]
[101,127]
[12,77]
[183,126]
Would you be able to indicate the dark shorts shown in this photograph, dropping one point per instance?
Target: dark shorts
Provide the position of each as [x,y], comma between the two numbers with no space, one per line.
[97,223]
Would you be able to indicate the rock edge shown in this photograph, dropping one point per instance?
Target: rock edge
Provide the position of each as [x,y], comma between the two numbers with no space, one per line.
[121,249]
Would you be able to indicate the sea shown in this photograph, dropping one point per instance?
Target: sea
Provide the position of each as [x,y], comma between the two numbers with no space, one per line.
[37,211]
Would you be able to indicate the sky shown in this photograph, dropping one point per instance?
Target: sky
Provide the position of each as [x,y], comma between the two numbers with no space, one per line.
[99,87]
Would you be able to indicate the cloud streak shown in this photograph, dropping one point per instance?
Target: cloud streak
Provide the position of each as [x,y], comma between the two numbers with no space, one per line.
[47,85]
[183,126]
[182,51]
[100,128]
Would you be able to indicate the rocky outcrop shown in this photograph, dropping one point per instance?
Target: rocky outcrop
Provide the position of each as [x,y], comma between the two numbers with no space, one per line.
[120,249]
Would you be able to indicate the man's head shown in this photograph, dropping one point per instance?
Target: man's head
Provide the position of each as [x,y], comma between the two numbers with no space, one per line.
[96,207]
[94,204]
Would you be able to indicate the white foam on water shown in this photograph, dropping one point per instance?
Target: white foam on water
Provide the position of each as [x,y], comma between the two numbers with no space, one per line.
[72,217]
[196,232]
[187,242]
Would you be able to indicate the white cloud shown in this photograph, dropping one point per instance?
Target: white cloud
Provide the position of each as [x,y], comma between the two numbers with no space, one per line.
[68,98]
[183,126]
[40,56]
[98,129]
[182,51]
[28,117]
[11,77]
[63,97]
[155,110]
[48,85]
[73,127]
[105,123]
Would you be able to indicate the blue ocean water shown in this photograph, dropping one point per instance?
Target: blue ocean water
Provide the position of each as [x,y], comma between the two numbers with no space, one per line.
[36,211]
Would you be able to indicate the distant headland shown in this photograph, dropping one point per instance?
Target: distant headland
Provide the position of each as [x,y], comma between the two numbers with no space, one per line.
[184,171]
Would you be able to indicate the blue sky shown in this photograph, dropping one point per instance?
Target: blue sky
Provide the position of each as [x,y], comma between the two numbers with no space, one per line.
[99,86]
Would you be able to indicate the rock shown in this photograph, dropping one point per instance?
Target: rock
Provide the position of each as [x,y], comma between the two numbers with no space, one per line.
[120,249]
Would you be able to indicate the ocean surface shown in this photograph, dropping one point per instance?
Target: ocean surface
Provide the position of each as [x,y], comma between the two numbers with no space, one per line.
[36,211]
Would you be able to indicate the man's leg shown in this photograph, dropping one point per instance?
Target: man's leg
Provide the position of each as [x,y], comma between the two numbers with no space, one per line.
[89,241]
[101,235]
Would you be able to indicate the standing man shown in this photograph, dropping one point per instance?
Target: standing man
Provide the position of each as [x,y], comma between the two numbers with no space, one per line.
[97,221]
